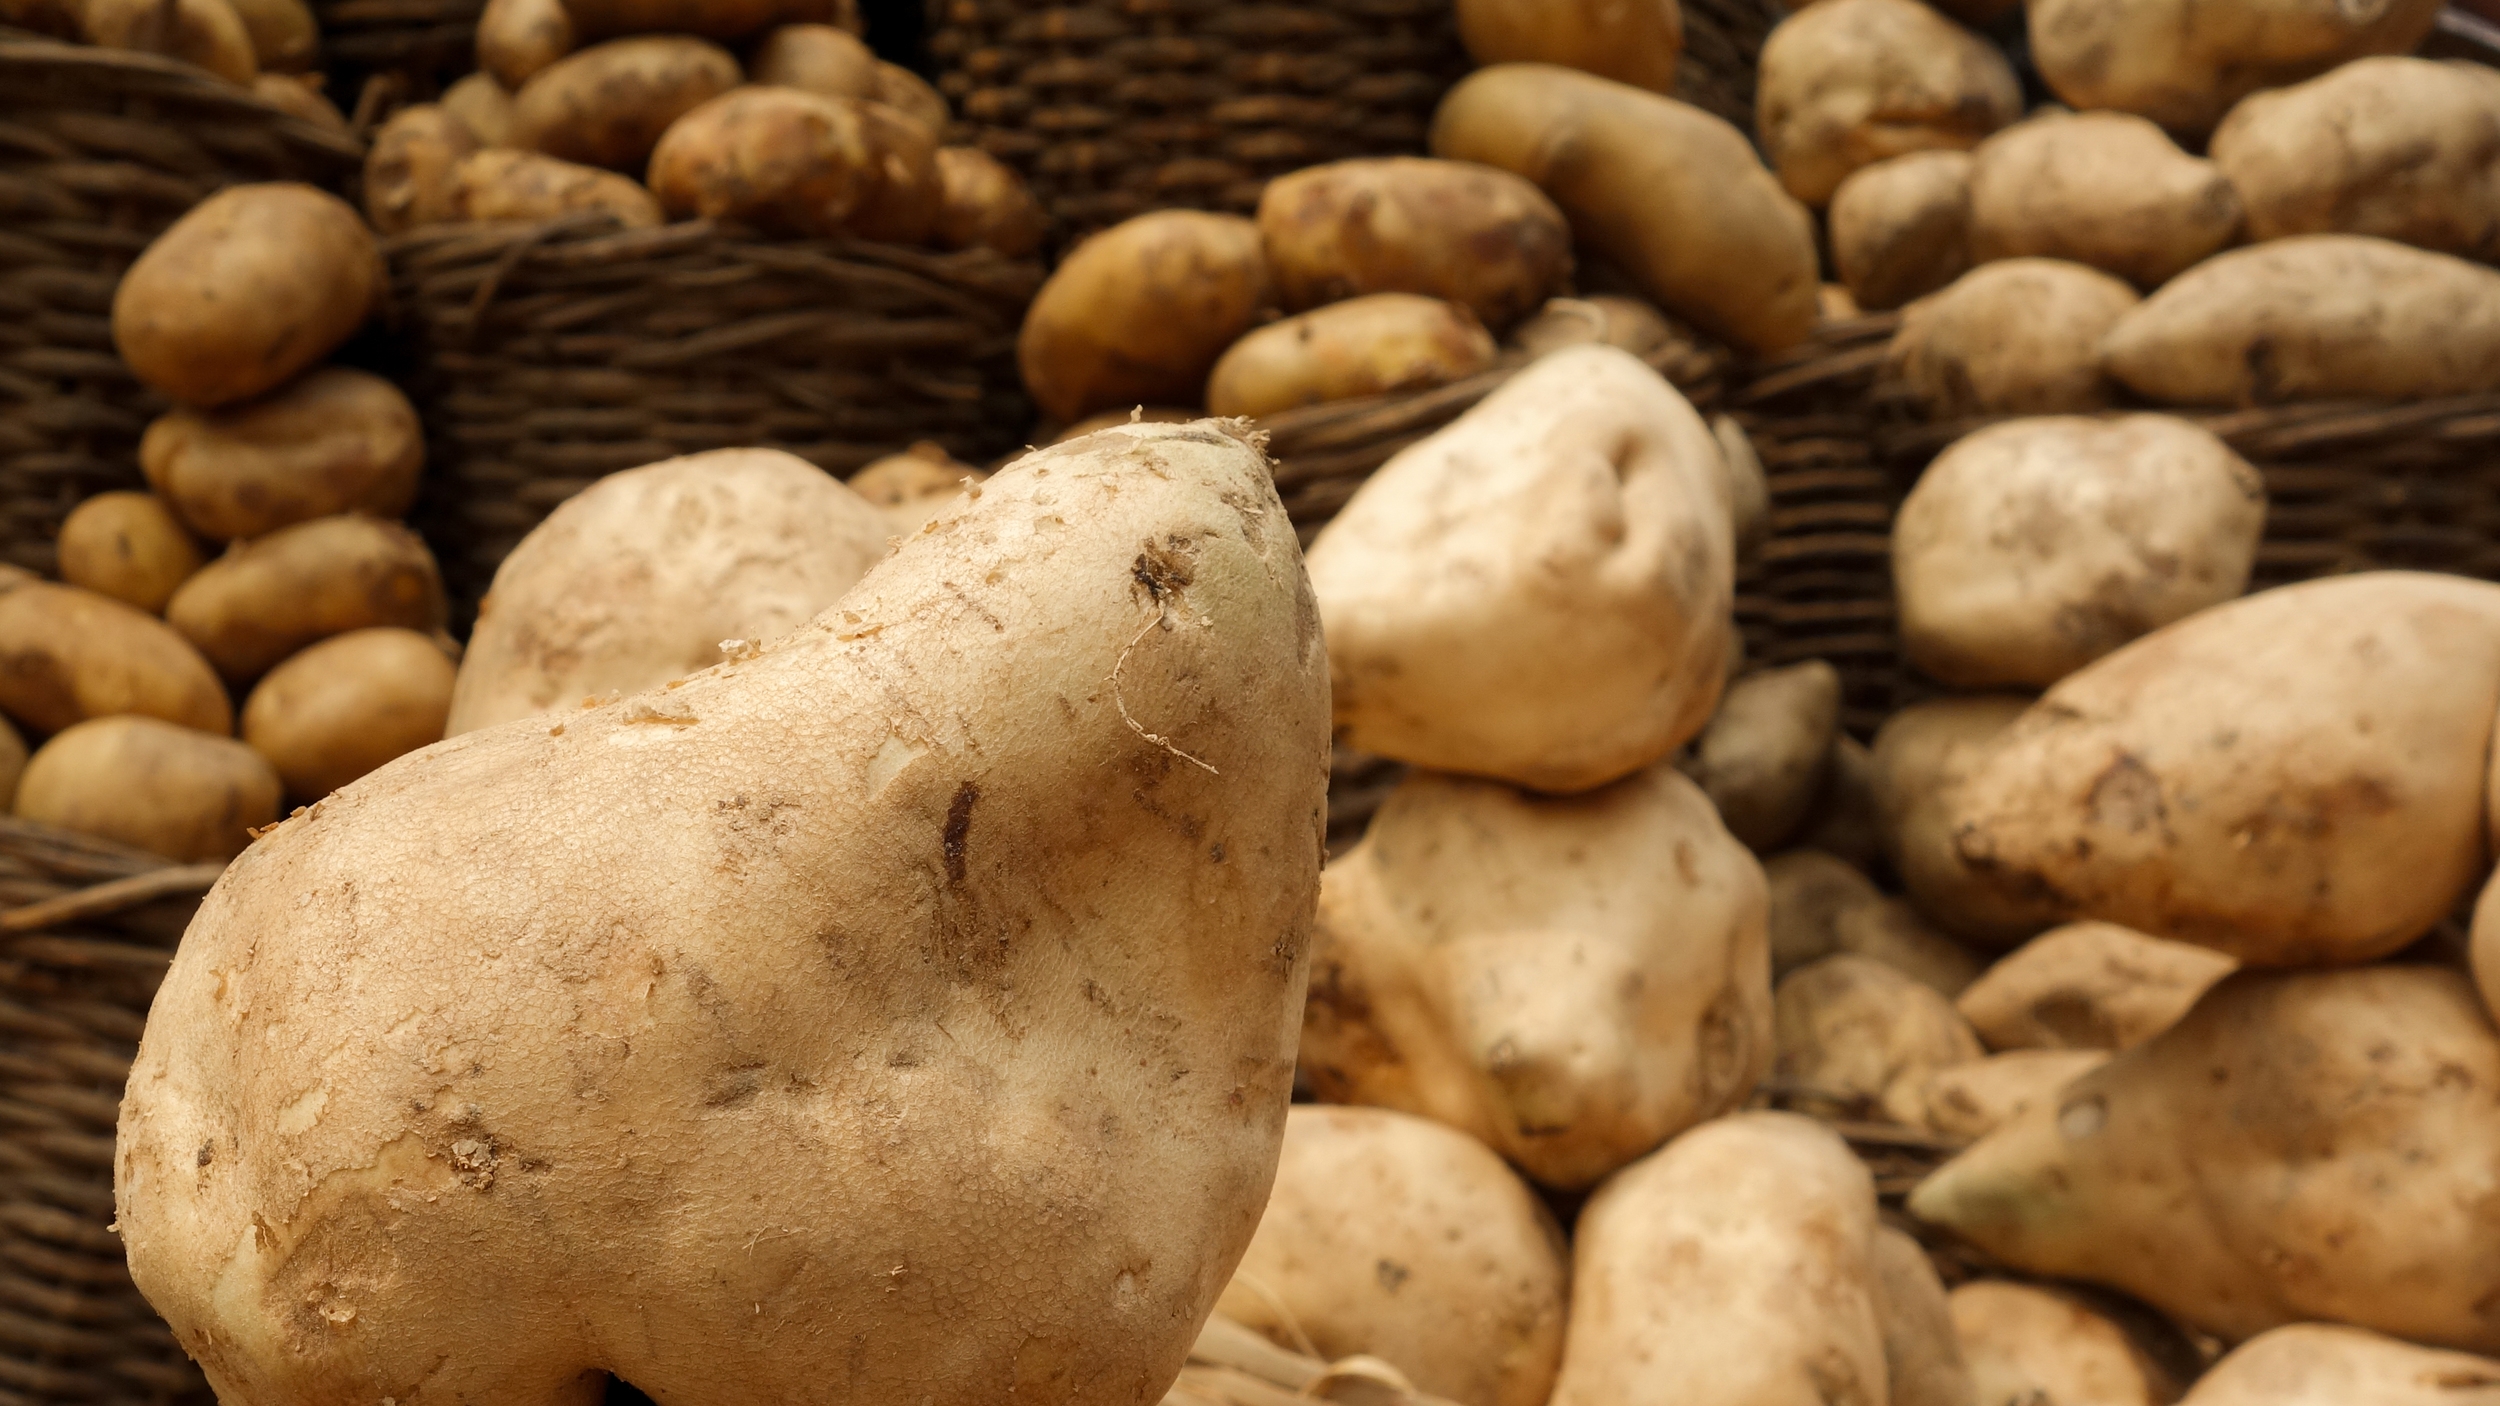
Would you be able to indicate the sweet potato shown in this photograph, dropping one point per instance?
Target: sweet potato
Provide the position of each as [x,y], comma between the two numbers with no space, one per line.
[1401,224]
[2322,1364]
[1636,43]
[2027,1343]
[2089,986]
[1761,758]
[2019,337]
[608,104]
[1139,313]
[170,790]
[1900,227]
[1858,1039]
[336,441]
[267,598]
[982,202]
[2183,64]
[67,655]
[128,546]
[1847,83]
[1371,345]
[2105,189]
[347,705]
[1921,754]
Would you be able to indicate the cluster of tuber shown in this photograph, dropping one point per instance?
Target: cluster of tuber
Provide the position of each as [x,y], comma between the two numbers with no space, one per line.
[272,47]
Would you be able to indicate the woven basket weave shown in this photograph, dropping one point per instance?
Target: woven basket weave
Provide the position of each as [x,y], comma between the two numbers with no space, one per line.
[553,354]
[86,930]
[421,46]
[100,150]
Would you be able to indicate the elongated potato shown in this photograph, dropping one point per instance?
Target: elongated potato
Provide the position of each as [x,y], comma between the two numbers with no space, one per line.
[518,38]
[2107,189]
[2325,1364]
[1922,1357]
[1670,194]
[2089,986]
[128,546]
[523,185]
[300,95]
[1402,224]
[1370,345]
[67,655]
[607,105]
[285,36]
[1858,1039]
[408,169]
[1970,1101]
[1847,83]
[1761,758]
[208,33]
[337,441]
[982,201]
[138,781]
[1901,227]
[1922,752]
[2028,1343]
[252,288]
[1636,43]
[348,704]
[818,58]
[2019,337]
[265,599]
[484,106]
[1138,314]
[2184,63]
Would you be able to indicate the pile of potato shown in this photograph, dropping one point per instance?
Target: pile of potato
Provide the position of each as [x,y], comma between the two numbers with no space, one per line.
[637,111]
[272,47]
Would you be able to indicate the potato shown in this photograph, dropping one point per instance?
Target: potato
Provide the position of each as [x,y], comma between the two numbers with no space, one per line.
[152,785]
[2026,1343]
[2105,189]
[910,94]
[1372,345]
[127,546]
[1893,933]
[2402,148]
[484,106]
[655,573]
[2033,547]
[254,286]
[2322,1364]
[67,655]
[1857,1038]
[2089,986]
[267,598]
[2484,948]
[1628,323]
[1921,754]
[1731,1266]
[1847,83]
[336,441]
[1407,1241]
[801,164]
[2019,337]
[516,39]
[523,185]
[1761,758]
[1402,224]
[1900,227]
[913,486]
[2289,779]
[348,704]
[1844,822]
[1670,194]
[408,169]
[818,58]
[782,880]
[285,37]
[982,203]
[712,19]
[607,105]
[1524,969]
[2184,64]
[1542,590]
[208,33]
[1922,1357]
[1636,43]
[2302,1145]
[300,96]
[1138,313]
[2314,317]
[1970,1100]
[1809,890]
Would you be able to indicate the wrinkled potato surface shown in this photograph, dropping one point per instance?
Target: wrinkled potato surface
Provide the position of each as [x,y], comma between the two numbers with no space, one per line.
[67,655]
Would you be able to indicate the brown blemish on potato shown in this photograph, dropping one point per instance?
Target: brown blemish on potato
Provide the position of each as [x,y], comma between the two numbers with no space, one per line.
[958,830]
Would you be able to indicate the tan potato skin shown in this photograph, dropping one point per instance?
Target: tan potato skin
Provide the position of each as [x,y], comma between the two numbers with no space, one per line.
[1893,933]
[1920,754]
[1922,1357]
[982,202]
[284,35]
[787,161]
[2325,1364]
[818,58]
[1761,758]
[1628,323]
[1969,1101]
[2238,1186]
[1858,1037]
[1847,83]
[799,937]
[1900,227]
[903,204]
[484,106]
[1371,345]
[1636,42]
[1670,194]
[128,546]
[300,97]
[1402,224]
[711,19]
[518,38]
[1809,890]
[208,33]
[1844,822]
[910,94]
[67,655]
[2020,337]
[2028,1343]
[523,185]
[2089,986]
[142,782]
[408,169]
[265,599]
[2106,189]
[2183,64]
[347,705]
[1138,314]
[607,105]
[255,286]
[333,442]
[1409,1241]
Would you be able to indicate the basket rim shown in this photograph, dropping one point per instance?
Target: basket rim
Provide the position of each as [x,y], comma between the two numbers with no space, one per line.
[23,54]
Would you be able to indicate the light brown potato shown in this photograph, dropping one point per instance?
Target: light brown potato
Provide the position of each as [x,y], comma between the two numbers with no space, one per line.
[1893,933]
[2293,778]
[1970,1100]
[408,169]
[2324,1364]
[336,441]
[1139,313]
[783,160]
[818,58]
[607,105]
[1858,1039]
[265,599]
[1900,227]
[1847,83]
[1403,224]
[1922,1356]
[1628,323]
[1372,345]
[911,487]
[1761,758]
[712,19]
[1809,890]
[910,94]
[2089,986]
[1636,43]
[518,38]
[67,655]
[1670,194]
[146,783]
[2105,189]
[255,286]
[128,546]
[285,37]
[1408,1241]
[1520,967]
[1922,752]
[208,33]
[2184,64]
[300,96]
[347,705]
[2313,317]
[2025,1343]
[2021,337]
[2483,949]
[1845,822]
[2033,547]
[984,203]
[484,106]
[523,185]
[2303,1145]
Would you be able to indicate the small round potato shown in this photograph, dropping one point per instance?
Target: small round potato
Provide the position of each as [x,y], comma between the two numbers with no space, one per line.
[347,705]
[608,104]
[1138,314]
[264,600]
[484,106]
[128,546]
[523,185]
[1474,235]
[2019,337]
[910,94]
[67,655]
[337,441]
[1364,346]
[285,36]
[206,33]
[2107,189]
[911,486]
[983,202]
[151,785]
[818,58]
[408,168]
[1630,41]
[254,287]
[300,96]
[799,163]
[518,38]
[1922,753]
[1901,228]
[1848,83]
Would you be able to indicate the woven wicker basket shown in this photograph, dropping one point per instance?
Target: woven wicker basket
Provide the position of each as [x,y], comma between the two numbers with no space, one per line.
[86,930]
[100,150]
[553,354]
[419,46]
